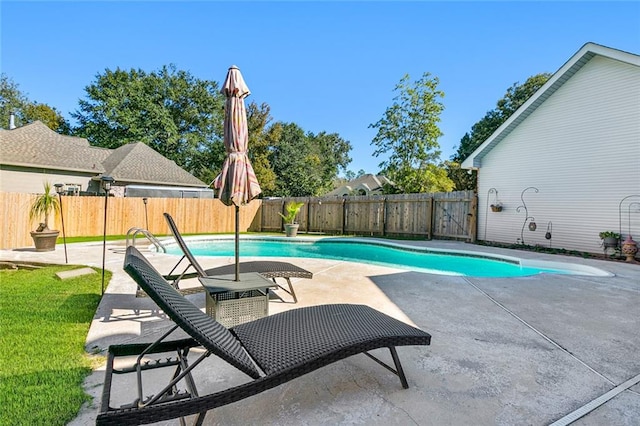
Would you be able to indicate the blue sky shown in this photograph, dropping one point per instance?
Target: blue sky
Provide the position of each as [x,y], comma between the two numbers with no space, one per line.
[327,66]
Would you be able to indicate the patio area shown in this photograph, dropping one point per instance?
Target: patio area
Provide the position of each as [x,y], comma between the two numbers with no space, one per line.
[506,351]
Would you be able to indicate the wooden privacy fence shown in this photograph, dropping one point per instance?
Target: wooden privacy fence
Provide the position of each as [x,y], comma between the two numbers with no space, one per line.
[434,215]
[84,216]
[439,215]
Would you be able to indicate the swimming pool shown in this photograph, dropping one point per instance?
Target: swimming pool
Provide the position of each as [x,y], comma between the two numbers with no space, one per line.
[378,252]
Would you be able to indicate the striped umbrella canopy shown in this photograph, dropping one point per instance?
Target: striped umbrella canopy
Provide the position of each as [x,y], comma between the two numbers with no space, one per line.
[237,183]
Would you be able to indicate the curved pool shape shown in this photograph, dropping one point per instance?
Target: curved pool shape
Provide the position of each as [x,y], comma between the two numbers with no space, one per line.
[441,262]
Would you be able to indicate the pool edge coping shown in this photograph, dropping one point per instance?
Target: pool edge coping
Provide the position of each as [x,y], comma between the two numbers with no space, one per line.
[573,268]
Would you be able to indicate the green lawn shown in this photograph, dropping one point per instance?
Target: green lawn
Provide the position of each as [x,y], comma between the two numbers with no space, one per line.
[43,326]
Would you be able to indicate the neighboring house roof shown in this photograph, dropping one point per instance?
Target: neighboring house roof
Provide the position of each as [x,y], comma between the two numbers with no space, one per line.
[368,183]
[139,163]
[36,145]
[575,63]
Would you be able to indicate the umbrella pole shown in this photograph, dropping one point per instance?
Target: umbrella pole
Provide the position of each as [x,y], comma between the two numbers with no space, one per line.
[237,243]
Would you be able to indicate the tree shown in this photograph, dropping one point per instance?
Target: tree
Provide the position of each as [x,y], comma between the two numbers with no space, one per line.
[350,175]
[25,111]
[409,132]
[333,154]
[176,114]
[307,164]
[292,163]
[262,139]
[48,115]
[513,99]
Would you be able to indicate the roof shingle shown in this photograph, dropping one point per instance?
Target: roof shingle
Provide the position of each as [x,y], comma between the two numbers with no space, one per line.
[36,145]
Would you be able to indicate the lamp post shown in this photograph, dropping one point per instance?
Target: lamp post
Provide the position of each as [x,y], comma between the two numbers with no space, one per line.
[107,181]
[59,190]
[145,200]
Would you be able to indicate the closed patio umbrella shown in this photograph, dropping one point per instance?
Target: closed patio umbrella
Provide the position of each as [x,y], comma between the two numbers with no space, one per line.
[237,183]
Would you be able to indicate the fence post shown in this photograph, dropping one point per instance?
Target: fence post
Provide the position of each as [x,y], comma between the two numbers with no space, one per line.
[473,218]
[344,214]
[308,214]
[384,216]
[431,221]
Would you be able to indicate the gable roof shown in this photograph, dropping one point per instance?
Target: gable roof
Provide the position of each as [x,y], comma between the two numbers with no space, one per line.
[368,182]
[573,65]
[138,163]
[36,145]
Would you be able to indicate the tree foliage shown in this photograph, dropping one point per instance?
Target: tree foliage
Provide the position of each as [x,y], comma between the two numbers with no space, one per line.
[351,175]
[515,96]
[307,164]
[333,153]
[176,114]
[182,117]
[262,138]
[25,111]
[408,133]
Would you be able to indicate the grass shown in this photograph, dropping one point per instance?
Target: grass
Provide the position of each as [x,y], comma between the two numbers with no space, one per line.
[71,240]
[43,326]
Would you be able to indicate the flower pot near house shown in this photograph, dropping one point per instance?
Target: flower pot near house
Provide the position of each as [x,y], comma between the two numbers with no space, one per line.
[609,239]
[42,207]
[290,226]
[496,207]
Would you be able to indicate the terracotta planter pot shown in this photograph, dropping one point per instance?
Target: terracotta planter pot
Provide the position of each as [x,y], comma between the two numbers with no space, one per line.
[45,240]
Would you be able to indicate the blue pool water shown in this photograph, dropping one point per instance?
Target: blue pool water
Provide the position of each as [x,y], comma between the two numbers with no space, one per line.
[416,259]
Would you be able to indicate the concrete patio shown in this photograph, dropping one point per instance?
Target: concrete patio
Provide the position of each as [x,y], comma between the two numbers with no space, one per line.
[504,351]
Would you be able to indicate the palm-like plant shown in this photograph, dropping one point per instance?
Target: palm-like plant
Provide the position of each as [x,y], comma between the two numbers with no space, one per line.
[292,208]
[43,205]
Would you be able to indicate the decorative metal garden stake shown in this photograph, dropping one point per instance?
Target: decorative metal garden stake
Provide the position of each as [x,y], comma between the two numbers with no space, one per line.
[59,190]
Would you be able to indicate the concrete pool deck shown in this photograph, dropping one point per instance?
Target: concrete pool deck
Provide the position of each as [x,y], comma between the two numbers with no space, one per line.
[528,350]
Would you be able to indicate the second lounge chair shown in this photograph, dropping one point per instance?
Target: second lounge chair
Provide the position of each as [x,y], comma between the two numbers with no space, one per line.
[268,269]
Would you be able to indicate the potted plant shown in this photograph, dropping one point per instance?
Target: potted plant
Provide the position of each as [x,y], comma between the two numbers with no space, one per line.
[497,207]
[609,238]
[290,226]
[42,207]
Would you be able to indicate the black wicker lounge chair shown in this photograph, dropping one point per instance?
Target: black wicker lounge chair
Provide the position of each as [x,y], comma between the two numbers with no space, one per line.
[269,269]
[271,350]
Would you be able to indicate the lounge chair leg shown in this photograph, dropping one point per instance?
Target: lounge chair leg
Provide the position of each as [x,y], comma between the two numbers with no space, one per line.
[399,370]
[198,421]
[396,361]
[291,291]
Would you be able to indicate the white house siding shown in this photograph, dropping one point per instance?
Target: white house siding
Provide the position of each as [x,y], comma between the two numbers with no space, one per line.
[15,179]
[581,150]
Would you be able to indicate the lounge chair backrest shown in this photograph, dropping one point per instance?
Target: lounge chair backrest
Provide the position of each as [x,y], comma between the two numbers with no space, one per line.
[204,329]
[183,245]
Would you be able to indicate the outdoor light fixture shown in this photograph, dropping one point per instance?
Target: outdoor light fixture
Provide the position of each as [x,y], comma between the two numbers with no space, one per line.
[60,191]
[145,200]
[107,181]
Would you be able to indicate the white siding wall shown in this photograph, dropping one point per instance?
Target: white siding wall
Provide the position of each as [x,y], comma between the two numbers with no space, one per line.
[581,149]
[32,183]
